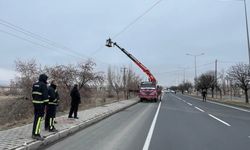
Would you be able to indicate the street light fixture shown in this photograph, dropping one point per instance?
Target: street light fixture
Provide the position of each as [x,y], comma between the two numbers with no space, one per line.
[195,61]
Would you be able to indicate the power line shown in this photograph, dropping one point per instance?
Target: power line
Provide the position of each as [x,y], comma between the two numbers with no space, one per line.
[32,42]
[130,24]
[136,19]
[179,70]
[37,37]
[42,39]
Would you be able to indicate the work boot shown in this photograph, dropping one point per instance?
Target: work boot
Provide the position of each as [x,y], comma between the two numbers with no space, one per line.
[53,130]
[76,117]
[37,137]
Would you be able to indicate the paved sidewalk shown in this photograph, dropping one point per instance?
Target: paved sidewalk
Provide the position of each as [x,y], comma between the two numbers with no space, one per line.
[20,137]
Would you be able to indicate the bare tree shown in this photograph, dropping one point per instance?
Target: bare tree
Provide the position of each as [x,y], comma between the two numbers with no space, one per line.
[240,75]
[133,81]
[86,76]
[28,73]
[115,81]
[206,81]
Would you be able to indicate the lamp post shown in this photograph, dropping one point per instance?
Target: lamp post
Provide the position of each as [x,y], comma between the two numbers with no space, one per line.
[248,44]
[195,61]
[195,55]
[247,30]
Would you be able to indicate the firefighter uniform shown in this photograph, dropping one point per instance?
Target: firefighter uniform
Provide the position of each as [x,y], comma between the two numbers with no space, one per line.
[51,108]
[40,98]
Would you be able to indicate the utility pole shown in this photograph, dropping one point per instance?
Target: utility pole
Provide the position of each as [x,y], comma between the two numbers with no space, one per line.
[124,81]
[215,76]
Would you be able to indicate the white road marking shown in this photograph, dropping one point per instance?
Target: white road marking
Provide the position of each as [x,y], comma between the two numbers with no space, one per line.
[190,104]
[219,120]
[225,105]
[151,130]
[199,109]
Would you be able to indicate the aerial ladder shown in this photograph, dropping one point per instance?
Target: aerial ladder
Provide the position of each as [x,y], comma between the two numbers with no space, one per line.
[148,90]
[151,78]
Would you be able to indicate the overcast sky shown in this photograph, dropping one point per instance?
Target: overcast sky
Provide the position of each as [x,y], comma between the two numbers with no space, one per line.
[160,39]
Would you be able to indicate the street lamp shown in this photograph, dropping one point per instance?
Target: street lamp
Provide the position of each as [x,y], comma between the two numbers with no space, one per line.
[248,45]
[195,61]
[195,55]
[246,21]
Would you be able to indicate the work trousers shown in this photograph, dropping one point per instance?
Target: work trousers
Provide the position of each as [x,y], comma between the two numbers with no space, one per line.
[50,116]
[73,109]
[38,116]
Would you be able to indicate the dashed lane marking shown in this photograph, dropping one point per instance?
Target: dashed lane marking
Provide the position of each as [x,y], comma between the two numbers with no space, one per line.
[199,109]
[227,124]
[190,104]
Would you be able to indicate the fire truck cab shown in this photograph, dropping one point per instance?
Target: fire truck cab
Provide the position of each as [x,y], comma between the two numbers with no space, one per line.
[148,91]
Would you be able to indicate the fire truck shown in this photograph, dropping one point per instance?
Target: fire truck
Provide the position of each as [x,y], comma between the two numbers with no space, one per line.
[148,90]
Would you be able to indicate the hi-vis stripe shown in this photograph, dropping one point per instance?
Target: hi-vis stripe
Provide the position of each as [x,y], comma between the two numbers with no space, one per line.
[50,123]
[37,93]
[38,126]
[52,103]
[38,102]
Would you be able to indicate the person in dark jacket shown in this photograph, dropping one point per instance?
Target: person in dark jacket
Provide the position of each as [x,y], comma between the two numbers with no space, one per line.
[40,98]
[75,101]
[51,107]
[204,95]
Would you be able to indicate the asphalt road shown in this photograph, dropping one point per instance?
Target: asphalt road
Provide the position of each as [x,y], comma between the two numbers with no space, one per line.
[126,130]
[181,123]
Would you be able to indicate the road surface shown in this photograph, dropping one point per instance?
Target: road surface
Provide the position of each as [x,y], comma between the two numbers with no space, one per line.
[177,123]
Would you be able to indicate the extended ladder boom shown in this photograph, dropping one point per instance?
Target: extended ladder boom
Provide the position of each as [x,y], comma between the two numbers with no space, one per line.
[137,62]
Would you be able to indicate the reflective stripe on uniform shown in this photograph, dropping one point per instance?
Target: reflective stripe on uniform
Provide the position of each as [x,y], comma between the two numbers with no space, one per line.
[37,93]
[38,125]
[37,102]
[52,103]
[50,123]
[46,100]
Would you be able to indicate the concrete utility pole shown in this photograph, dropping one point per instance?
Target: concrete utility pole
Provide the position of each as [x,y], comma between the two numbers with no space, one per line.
[215,76]
[124,80]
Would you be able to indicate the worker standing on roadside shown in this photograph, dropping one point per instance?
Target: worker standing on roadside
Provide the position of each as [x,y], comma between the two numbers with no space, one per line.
[51,107]
[40,97]
[75,101]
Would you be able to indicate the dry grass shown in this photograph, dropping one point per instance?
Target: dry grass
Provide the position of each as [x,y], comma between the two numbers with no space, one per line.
[16,112]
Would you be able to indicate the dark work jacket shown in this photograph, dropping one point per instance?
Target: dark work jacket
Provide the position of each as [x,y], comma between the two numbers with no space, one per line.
[53,95]
[40,91]
[75,96]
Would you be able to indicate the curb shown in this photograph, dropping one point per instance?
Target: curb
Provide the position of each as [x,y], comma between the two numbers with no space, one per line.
[67,132]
